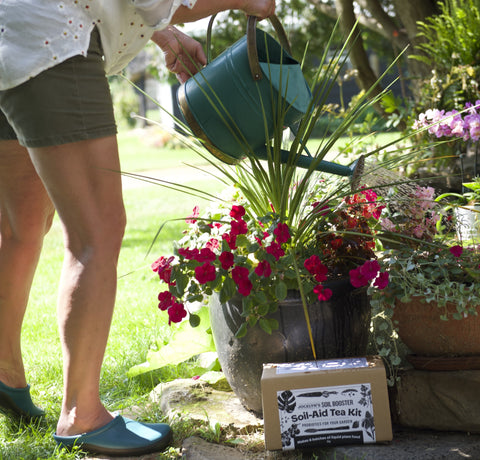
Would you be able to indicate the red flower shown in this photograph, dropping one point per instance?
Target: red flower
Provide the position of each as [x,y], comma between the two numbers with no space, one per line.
[176,313]
[282,233]
[226,259]
[205,273]
[166,300]
[240,274]
[163,268]
[205,255]
[357,279]
[370,269]
[245,287]
[275,250]
[263,269]
[456,251]
[322,293]
[381,282]
[336,243]
[188,253]
[231,240]
[237,212]
[315,267]
[196,213]
[239,227]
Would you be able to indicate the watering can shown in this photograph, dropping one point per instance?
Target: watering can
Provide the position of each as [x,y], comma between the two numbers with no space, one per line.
[230,104]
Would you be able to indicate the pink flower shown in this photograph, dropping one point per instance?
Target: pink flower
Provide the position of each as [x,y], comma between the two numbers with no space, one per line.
[275,250]
[263,269]
[456,251]
[205,273]
[282,233]
[212,244]
[196,213]
[237,212]
[226,259]
[176,313]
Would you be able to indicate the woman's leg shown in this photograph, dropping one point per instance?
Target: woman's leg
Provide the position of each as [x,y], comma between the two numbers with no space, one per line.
[84,184]
[26,214]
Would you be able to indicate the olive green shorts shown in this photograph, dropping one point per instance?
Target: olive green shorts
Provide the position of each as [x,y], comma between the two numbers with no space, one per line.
[66,103]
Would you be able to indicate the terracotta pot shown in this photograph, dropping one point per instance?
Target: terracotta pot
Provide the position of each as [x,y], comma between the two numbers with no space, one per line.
[340,329]
[422,330]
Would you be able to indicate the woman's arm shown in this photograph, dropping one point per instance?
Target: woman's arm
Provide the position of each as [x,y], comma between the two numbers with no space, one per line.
[203,8]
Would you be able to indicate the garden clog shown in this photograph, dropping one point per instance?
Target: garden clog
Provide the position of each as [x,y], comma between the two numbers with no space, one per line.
[121,437]
[18,403]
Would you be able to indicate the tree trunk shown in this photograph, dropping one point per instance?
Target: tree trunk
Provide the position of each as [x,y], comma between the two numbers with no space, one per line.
[366,77]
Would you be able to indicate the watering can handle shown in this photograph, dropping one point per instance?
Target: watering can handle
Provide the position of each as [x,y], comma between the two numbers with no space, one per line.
[252,42]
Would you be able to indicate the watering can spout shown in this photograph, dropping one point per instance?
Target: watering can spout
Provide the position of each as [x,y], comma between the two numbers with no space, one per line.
[306,162]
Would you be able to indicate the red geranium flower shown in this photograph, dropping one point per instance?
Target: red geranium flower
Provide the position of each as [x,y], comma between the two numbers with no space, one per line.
[205,273]
[456,251]
[357,278]
[282,233]
[166,300]
[163,268]
[205,255]
[275,250]
[263,269]
[323,294]
[176,313]
[237,212]
[370,269]
[188,253]
[226,259]
[239,227]
[381,282]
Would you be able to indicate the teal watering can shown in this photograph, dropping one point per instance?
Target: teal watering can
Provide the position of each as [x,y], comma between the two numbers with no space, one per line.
[230,104]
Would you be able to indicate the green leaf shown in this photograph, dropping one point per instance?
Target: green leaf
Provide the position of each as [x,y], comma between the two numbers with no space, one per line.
[228,289]
[181,283]
[242,331]
[281,291]
[194,320]
[265,325]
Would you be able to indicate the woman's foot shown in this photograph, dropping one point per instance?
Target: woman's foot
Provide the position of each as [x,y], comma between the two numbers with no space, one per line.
[17,403]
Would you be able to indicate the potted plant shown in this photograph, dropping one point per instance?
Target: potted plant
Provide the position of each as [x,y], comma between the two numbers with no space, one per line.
[432,296]
[286,236]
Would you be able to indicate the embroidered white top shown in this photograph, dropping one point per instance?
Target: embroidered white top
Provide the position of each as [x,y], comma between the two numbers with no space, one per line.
[38,34]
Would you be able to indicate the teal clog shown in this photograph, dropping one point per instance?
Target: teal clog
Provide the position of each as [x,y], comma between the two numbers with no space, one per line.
[121,437]
[18,403]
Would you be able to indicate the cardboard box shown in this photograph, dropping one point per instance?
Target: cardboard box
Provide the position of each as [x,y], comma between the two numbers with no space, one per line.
[325,403]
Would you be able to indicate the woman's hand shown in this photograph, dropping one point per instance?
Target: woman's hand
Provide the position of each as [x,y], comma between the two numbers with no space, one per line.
[260,8]
[184,56]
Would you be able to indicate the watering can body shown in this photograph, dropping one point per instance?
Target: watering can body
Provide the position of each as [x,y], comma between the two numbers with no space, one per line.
[232,103]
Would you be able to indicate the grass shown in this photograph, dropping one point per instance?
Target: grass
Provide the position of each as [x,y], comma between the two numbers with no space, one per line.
[136,324]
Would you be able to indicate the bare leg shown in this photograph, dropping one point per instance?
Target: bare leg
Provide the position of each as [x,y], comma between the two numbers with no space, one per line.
[26,214]
[88,199]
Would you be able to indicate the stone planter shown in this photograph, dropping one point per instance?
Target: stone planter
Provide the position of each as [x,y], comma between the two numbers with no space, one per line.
[437,344]
[340,328]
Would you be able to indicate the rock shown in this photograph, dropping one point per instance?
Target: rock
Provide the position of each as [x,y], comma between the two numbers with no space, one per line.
[439,400]
[201,401]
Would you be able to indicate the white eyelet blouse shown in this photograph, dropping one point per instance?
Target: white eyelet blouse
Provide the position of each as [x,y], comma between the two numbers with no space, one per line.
[38,34]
